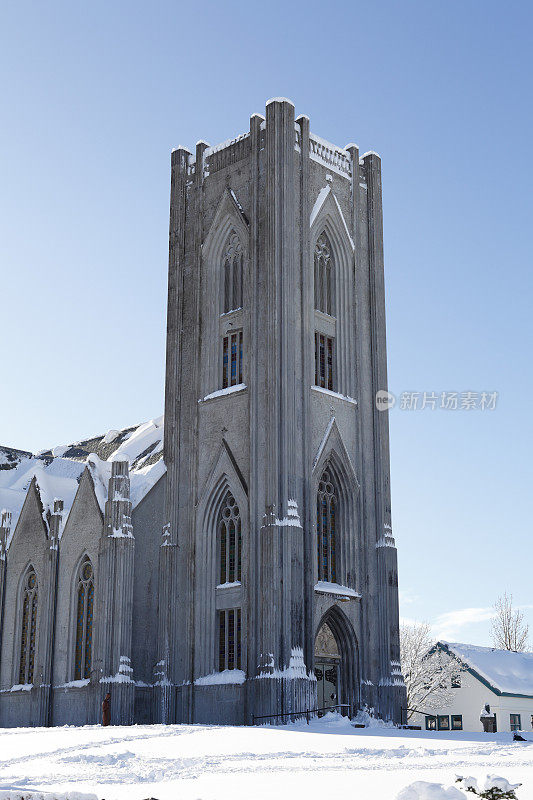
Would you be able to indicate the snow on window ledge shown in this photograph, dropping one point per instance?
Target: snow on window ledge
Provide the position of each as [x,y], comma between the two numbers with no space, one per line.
[229,585]
[335,394]
[239,387]
[21,687]
[235,676]
[325,587]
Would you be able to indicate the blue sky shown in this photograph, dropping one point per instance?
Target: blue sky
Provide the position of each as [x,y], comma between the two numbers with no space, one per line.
[94,97]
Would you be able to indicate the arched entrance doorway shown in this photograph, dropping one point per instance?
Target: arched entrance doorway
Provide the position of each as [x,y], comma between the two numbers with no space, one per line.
[327,667]
[337,663]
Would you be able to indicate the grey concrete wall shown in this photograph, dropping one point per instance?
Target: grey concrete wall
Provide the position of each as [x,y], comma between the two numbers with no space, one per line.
[81,536]
[28,546]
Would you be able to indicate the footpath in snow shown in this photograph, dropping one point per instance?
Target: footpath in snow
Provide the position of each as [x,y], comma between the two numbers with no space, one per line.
[327,759]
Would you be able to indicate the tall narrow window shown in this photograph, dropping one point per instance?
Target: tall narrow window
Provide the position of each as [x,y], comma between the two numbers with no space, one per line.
[230,541]
[232,273]
[232,359]
[324,276]
[324,361]
[326,529]
[229,639]
[29,626]
[84,621]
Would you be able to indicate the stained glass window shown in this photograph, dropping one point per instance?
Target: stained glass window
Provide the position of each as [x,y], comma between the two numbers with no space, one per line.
[229,639]
[29,627]
[232,272]
[230,541]
[84,621]
[232,359]
[326,529]
[324,276]
[324,361]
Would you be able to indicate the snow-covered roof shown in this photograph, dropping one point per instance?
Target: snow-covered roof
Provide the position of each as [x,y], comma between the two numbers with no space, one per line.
[58,471]
[506,672]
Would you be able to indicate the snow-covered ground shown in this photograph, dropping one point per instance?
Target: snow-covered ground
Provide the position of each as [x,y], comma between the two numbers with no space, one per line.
[328,758]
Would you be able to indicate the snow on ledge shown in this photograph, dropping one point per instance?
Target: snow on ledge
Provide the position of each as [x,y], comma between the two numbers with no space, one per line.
[229,585]
[335,394]
[226,676]
[21,687]
[325,587]
[79,684]
[240,387]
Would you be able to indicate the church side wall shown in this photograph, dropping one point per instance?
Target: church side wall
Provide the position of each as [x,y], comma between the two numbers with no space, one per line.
[29,546]
[80,537]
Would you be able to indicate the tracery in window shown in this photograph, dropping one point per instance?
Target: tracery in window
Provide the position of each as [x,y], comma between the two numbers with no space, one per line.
[229,639]
[232,261]
[326,528]
[232,359]
[84,621]
[324,276]
[230,541]
[29,626]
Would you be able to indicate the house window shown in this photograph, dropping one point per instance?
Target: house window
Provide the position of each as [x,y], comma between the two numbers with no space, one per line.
[229,639]
[232,274]
[29,626]
[232,359]
[230,541]
[324,361]
[456,681]
[515,722]
[326,528]
[443,722]
[84,621]
[324,276]
[457,722]
[431,723]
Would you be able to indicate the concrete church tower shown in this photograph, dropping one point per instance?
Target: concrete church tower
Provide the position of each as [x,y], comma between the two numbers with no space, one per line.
[278,584]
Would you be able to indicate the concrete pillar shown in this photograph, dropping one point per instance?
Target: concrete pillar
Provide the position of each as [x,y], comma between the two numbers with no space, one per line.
[5,530]
[167,622]
[115,578]
[391,689]
[282,683]
[48,623]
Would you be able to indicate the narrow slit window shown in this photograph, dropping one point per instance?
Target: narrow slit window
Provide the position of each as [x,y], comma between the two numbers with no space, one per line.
[29,628]
[229,639]
[84,621]
[230,541]
[326,529]
[232,358]
[324,361]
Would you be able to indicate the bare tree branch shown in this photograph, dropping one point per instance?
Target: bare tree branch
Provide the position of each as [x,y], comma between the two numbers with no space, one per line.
[429,674]
[508,629]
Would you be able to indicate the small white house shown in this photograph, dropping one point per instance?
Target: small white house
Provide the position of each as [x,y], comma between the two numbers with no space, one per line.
[500,678]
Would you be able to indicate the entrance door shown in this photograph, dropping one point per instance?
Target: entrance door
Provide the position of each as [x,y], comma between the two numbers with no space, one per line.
[327,677]
[327,668]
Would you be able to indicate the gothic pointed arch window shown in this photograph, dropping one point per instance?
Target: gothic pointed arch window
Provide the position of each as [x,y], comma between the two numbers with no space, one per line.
[324,275]
[327,516]
[232,267]
[84,620]
[229,535]
[28,627]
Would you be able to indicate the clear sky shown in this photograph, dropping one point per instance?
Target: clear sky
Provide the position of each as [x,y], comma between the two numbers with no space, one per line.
[95,95]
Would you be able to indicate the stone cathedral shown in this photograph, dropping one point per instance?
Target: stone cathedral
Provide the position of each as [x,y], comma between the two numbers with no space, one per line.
[235,562]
